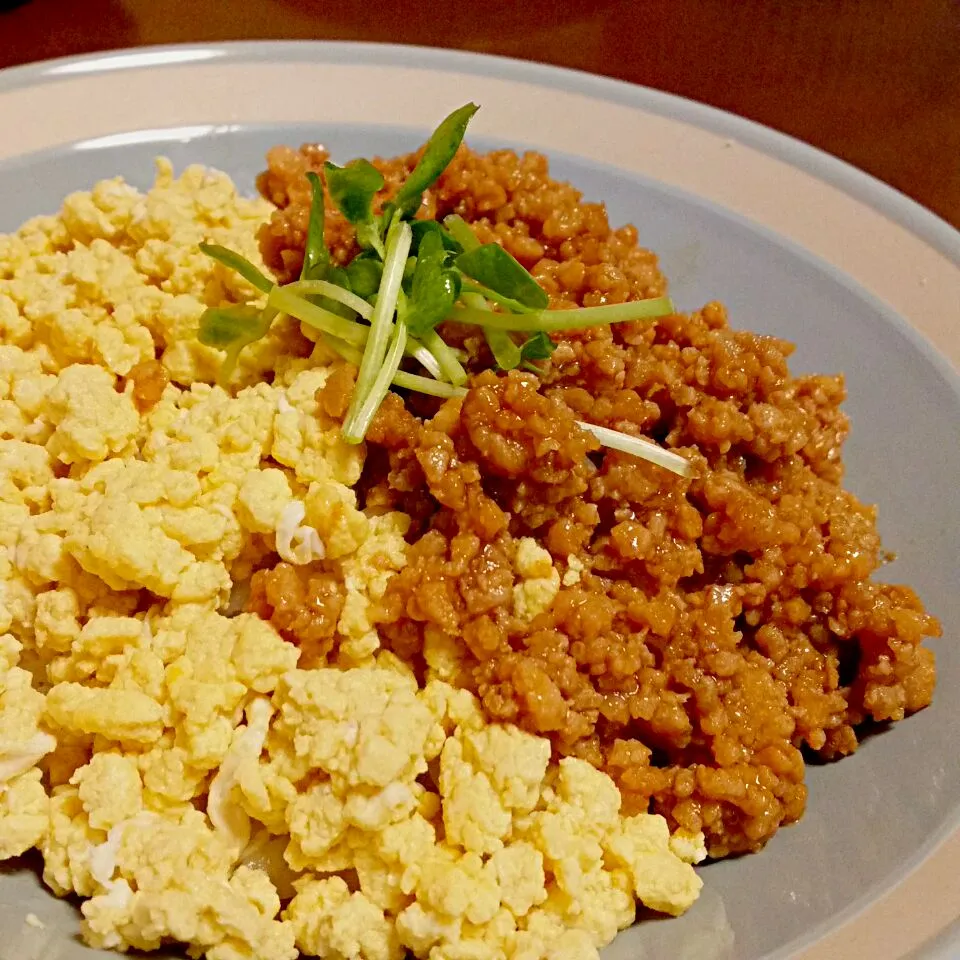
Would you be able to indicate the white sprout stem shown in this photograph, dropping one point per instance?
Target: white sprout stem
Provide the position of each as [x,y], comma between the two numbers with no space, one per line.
[399,238]
[638,447]
[356,430]
[408,381]
[433,388]
[613,439]
[475,300]
[353,355]
[473,289]
[557,320]
[358,337]
[420,352]
[325,288]
[450,366]
[309,313]
[349,353]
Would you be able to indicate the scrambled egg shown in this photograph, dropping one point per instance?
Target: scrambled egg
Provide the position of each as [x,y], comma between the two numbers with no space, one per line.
[172,763]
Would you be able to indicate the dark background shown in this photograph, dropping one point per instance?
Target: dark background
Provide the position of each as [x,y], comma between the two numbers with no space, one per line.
[876,82]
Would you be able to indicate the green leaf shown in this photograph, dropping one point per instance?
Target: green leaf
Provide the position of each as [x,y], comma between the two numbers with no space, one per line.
[352,188]
[485,293]
[231,329]
[241,265]
[369,236]
[364,272]
[538,347]
[505,352]
[509,355]
[433,289]
[422,227]
[492,266]
[439,151]
[341,278]
[222,327]
[316,257]
[461,232]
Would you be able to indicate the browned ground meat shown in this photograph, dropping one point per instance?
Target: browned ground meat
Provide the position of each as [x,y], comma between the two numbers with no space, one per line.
[568,245]
[721,624]
[303,606]
[150,379]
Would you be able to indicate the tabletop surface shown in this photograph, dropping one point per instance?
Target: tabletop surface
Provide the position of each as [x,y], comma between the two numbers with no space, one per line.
[876,82]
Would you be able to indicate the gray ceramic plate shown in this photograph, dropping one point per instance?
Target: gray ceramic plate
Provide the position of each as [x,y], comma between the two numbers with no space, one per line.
[797,244]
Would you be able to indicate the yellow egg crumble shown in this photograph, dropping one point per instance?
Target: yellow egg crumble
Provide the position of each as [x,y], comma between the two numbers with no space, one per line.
[173,765]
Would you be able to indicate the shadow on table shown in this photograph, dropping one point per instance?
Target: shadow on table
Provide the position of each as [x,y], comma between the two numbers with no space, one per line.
[548,30]
[56,28]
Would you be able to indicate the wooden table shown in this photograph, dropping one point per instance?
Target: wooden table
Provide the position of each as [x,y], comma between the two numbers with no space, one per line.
[876,82]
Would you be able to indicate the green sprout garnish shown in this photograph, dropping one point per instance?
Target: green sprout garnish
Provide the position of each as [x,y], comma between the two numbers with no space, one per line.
[383,331]
[384,309]
[230,329]
[442,145]
[233,261]
[434,287]
[363,275]
[461,233]
[352,188]
[316,257]
[494,268]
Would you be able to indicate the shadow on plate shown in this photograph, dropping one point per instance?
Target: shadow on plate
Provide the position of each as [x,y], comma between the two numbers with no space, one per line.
[703,933]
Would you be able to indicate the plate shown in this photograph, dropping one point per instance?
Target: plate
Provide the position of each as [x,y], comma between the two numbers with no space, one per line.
[797,244]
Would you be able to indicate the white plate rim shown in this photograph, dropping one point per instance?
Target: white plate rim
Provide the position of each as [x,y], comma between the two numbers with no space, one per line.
[907,212]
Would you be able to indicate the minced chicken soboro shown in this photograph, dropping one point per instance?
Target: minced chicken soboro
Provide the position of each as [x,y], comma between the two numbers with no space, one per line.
[693,637]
